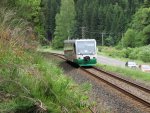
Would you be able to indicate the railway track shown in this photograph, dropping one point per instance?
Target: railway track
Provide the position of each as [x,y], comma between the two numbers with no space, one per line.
[133,90]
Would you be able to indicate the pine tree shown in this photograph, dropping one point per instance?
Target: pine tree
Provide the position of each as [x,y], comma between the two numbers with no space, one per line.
[65,22]
[94,20]
[140,27]
[49,10]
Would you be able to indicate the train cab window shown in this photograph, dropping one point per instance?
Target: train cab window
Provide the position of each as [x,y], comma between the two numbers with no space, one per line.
[86,47]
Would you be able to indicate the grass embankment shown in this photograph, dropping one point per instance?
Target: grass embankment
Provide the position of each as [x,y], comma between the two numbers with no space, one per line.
[50,49]
[29,83]
[132,73]
[139,54]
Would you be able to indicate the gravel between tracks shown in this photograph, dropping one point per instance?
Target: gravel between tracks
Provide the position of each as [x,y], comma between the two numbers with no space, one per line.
[108,100]
[124,85]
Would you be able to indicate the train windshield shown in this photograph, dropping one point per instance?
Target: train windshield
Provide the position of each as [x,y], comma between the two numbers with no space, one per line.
[86,47]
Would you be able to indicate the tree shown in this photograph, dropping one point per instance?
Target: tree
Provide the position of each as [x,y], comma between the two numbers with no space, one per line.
[146,3]
[94,20]
[129,38]
[141,27]
[65,22]
[48,14]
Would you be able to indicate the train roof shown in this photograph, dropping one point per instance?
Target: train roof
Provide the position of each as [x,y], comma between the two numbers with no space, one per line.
[74,40]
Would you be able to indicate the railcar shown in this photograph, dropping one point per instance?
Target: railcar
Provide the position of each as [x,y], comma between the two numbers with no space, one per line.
[81,51]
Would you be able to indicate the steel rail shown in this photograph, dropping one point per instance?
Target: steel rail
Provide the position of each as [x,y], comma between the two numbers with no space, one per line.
[142,101]
[123,80]
[59,55]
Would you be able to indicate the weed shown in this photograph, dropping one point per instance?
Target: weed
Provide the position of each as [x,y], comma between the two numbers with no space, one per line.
[28,83]
[135,74]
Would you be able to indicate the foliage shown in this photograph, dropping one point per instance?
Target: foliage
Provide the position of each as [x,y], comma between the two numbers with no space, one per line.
[138,53]
[134,74]
[138,34]
[28,10]
[129,38]
[144,54]
[49,9]
[92,18]
[65,21]
[104,16]
[40,88]
[28,83]
[110,51]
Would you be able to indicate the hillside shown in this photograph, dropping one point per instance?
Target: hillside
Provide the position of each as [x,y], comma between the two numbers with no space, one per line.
[28,82]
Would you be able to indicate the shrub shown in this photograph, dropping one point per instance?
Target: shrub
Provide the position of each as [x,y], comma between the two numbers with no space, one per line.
[141,53]
[127,52]
[129,38]
[134,53]
[99,48]
[144,54]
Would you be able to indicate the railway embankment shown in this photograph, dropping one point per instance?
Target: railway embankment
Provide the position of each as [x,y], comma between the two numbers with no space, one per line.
[28,82]
[35,84]
[106,98]
[115,66]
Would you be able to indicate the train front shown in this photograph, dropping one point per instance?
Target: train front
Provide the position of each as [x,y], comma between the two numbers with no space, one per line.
[86,54]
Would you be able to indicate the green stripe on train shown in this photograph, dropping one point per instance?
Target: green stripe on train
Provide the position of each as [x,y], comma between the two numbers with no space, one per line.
[82,62]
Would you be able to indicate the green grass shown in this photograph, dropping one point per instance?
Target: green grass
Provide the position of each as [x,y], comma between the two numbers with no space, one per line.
[41,81]
[49,49]
[123,54]
[132,73]
[30,82]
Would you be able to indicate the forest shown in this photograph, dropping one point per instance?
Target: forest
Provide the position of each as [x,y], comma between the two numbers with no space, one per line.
[30,83]
[117,21]
[110,22]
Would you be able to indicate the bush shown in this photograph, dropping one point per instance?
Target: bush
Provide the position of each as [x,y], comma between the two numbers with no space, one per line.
[127,52]
[144,54]
[141,53]
[129,38]
[134,53]
[99,48]
[110,51]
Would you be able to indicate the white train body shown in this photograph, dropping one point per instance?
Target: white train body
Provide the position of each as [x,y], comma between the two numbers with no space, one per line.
[81,51]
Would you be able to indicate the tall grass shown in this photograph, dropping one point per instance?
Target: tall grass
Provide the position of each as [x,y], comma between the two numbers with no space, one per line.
[28,83]
[138,53]
[132,73]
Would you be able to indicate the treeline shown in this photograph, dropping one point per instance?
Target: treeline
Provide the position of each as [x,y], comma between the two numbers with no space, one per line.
[49,9]
[104,17]
[114,21]
[92,19]
[138,33]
